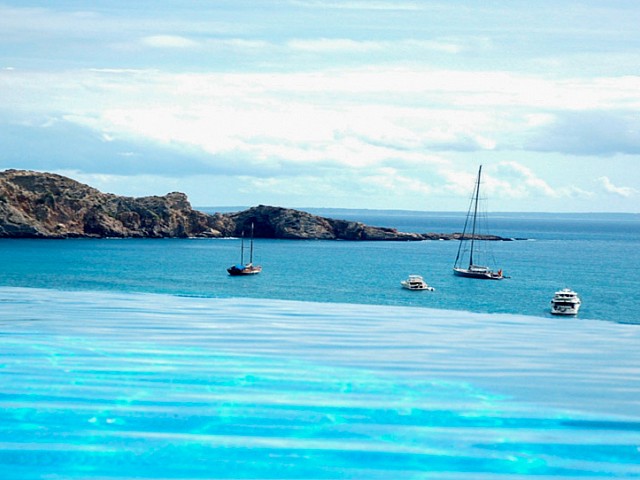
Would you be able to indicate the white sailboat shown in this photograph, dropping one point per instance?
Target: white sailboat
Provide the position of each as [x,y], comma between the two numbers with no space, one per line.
[465,264]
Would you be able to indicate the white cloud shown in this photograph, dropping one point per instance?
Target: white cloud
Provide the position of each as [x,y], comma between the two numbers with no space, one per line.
[403,111]
[39,22]
[393,182]
[518,180]
[334,44]
[602,131]
[239,44]
[510,183]
[457,181]
[358,5]
[609,187]
[168,41]
[380,125]
[347,45]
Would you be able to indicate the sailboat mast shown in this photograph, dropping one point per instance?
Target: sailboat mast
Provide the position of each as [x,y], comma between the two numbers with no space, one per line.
[242,248]
[475,215]
[251,250]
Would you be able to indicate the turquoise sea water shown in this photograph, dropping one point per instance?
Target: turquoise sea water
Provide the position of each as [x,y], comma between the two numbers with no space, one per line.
[128,359]
[597,257]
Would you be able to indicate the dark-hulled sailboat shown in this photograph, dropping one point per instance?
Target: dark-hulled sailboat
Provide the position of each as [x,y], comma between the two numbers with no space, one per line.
[468,243]
[245,268]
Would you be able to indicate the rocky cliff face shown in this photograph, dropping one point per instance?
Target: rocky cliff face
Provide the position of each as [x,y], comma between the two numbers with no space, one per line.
[277,222]
[45,205]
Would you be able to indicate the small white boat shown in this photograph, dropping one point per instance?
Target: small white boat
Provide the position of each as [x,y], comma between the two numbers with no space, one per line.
[565,302]
[416,282]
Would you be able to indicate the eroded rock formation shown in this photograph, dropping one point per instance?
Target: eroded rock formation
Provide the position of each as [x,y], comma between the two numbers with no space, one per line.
[46,205]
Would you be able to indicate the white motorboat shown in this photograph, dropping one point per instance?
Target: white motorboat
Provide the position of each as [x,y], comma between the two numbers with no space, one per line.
[565,302]
[416,282]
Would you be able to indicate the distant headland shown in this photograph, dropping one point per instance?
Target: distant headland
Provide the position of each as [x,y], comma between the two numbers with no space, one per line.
[47,205]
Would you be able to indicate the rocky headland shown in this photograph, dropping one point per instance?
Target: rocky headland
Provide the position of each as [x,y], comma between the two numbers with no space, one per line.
[46,205]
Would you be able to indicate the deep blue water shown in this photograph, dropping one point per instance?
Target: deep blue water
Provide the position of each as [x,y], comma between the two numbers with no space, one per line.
[598,258]
[143,359]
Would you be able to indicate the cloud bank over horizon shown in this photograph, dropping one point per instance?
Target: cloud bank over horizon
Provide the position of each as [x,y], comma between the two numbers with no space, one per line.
[388,107]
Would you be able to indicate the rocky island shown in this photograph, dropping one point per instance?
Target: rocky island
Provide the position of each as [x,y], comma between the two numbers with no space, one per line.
[47,205]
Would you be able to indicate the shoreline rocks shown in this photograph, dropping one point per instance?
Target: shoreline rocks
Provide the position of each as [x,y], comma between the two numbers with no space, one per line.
[51,206]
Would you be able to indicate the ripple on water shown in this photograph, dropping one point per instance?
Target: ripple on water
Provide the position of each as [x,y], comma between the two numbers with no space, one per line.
[145,386]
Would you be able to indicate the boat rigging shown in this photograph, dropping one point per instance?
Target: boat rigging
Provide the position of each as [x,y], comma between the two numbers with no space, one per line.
[473,269]
[245,268]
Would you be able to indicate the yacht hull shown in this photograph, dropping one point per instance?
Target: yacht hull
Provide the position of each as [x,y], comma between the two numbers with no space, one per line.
[247,270]
[561,310]
[461,272]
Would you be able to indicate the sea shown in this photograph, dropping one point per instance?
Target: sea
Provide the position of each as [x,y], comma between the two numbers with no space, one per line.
[142,359]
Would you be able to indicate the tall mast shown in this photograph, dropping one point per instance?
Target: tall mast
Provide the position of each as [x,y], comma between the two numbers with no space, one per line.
[242,248]
[251,250]
[475,214]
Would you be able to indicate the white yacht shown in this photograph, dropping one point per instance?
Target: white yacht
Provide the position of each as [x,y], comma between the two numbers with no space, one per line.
[565,302]
[416,282]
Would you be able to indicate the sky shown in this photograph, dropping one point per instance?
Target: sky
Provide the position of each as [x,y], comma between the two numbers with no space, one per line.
[375,104]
